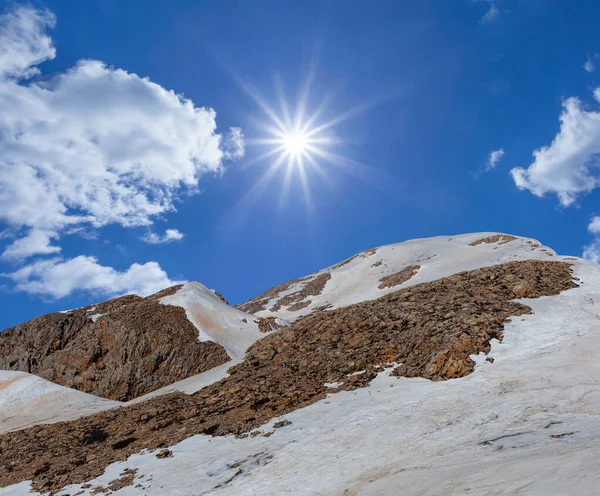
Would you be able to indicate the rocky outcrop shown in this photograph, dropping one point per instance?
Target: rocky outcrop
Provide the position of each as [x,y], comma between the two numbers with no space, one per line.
[271,299]
[399,277]
[496,238]
[119,349]
[431,329]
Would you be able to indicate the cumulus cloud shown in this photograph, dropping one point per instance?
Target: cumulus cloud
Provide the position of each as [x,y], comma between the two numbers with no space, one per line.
[568,167]
[169,236]
[494,158]
[58,278]
[589,65]
[94,145]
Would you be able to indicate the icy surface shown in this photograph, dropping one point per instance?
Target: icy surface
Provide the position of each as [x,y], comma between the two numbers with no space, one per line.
[359,279]
[27,400]
[215,320]
[525,424]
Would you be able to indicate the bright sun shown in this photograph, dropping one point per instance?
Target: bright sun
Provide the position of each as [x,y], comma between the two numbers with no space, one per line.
[296,143]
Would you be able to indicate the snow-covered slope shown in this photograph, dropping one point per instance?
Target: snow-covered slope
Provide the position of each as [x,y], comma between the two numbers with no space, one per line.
[27,400]
[526,424]
[215,320]
[358,278]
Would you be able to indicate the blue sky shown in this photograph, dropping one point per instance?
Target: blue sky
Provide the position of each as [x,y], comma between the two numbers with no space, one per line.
[111,183]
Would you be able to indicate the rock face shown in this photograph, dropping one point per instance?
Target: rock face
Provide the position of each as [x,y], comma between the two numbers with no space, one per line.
[120,349]
[431,329]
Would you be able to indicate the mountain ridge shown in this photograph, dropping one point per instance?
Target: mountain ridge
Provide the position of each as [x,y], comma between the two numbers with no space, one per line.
[475,323]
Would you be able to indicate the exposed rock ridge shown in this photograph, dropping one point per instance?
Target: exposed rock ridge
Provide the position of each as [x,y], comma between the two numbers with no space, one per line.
[119,349]
[431,329]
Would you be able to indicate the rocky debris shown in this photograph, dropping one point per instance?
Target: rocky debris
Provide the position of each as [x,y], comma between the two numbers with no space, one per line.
[295,301]
[399,277]
[220,296]
[560,436]
[345,262]
[299,306]
[431,329]
[267,324]
[311,288]
[126,479]
[162,294]
[282,423]
[496,238]
[165,453]
[366,253]
[260,303]
[377,264]
[136,346]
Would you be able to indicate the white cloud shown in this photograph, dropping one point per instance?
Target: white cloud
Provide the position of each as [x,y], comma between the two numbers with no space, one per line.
[592,251]
[234,145]
[169,236]
[36,242]
[94,145]
[23,41]
[494,158]
[58,278]
[589,65]
[594,225]
[491,15]
[567,167]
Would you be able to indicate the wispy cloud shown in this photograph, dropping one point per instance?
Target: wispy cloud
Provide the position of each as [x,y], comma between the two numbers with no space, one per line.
[494,158]
[36,242]
[169,236]
[491,15]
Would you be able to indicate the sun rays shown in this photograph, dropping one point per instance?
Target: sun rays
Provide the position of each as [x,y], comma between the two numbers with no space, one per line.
[298,144]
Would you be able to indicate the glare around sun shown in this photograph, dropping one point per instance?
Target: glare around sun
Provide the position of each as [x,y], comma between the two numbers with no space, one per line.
[295,142]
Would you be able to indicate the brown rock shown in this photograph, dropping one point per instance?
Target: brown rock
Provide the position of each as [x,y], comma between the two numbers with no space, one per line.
[137,346]
[165,453]
[399,277]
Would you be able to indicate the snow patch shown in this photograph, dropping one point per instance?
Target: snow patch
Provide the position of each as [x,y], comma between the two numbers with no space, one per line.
[215,320]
